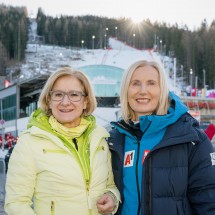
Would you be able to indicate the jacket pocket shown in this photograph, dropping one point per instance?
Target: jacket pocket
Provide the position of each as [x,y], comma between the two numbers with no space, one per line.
[58,151]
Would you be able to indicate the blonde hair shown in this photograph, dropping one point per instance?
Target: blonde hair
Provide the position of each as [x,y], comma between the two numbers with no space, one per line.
[127,112]
[44,98]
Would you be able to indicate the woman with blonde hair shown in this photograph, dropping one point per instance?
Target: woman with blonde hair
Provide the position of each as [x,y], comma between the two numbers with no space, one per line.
[61,165]
[163,163]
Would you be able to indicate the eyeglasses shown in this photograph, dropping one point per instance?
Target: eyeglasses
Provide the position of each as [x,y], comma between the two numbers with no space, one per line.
[74,96]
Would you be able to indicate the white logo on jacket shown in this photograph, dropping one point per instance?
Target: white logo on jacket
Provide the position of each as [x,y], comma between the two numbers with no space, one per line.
[213,158]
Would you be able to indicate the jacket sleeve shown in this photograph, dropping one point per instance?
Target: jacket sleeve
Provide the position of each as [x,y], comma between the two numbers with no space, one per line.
[20,181]
[201,188]
[110,184]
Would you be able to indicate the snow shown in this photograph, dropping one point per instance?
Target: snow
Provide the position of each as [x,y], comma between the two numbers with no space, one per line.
[119,55]
[45,59]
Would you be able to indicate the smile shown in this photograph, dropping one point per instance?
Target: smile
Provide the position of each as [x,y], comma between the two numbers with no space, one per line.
[66,111]
[143,100]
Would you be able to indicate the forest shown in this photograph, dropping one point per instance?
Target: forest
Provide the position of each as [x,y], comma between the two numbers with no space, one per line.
[193,49]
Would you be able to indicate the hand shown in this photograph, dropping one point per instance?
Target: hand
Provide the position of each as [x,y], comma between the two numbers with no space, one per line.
[105,204]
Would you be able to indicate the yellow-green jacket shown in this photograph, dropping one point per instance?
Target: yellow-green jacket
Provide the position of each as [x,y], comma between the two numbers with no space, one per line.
[47,177]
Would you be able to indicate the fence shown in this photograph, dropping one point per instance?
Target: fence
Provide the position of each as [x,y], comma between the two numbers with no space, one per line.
[2,178]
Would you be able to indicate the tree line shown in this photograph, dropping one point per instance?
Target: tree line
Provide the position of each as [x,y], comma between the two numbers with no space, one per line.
[13,36]
[193,49]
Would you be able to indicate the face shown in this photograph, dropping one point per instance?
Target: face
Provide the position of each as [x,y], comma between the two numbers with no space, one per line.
[66,112]
[144,91]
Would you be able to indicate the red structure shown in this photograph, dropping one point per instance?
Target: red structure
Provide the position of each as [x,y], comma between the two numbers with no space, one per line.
[210,131]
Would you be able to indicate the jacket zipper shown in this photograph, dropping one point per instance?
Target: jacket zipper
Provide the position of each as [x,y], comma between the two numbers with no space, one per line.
[88,180]
[88,197]
[52,207]
[137,178]
[74,140]
[148,187]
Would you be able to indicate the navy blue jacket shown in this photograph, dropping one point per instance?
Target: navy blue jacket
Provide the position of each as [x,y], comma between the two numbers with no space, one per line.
[178,177]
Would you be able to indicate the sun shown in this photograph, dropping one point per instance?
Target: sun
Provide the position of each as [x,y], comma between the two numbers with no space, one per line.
[137,19]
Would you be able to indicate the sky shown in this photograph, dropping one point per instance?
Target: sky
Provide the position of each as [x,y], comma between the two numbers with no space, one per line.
[189,12]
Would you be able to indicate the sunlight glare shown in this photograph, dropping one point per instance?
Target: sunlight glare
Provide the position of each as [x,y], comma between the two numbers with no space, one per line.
[137,19]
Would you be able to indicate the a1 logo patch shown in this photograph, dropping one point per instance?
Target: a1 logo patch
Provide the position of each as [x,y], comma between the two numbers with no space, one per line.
[129,158]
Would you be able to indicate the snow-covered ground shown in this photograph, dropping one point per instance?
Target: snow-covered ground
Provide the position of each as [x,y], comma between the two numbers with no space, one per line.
[45,59]
[52,57]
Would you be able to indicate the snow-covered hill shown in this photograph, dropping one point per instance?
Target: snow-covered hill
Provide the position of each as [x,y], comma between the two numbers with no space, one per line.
[45,59]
